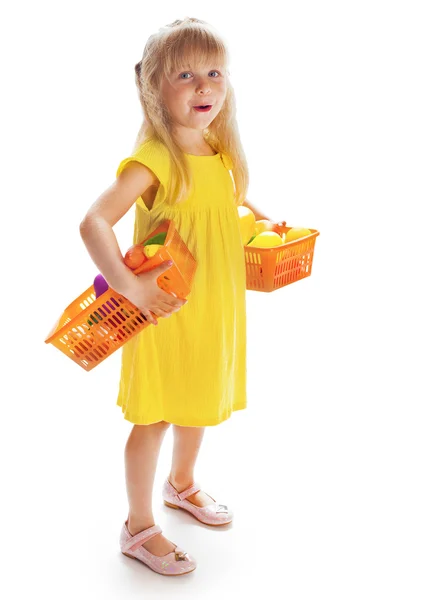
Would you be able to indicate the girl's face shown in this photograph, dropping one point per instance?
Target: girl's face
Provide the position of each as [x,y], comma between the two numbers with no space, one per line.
[193,87]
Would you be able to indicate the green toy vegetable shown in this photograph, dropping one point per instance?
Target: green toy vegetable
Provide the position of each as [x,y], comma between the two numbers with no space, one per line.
[157,239]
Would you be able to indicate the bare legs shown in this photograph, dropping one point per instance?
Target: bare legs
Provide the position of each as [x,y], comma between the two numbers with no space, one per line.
[141,455]
[186,446]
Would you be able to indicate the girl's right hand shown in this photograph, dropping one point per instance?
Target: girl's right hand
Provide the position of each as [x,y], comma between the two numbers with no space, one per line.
[148,297]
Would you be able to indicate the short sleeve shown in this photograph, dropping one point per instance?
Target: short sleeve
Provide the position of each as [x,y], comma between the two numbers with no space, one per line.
[154,155]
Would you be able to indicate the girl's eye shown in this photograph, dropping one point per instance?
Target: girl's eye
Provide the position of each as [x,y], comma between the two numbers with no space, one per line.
[182,74]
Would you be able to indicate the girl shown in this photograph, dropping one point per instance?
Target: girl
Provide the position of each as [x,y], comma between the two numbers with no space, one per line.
[191,370]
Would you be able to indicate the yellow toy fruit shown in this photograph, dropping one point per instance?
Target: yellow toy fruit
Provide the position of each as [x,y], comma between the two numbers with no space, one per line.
[266,239]
[151,249]
[247,223]
[295,233]
[263,225]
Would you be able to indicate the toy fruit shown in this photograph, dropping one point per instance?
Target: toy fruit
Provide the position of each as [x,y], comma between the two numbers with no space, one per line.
[152,249]
[263,225]
[157,239]
[100,285]
[247,223]
[295,233]
[267,239]
[134,257]
[251,240]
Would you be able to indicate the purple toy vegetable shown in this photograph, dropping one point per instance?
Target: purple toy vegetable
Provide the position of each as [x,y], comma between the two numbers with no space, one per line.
[100,285]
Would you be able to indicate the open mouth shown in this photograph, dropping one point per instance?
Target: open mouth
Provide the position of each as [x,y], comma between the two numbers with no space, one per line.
[205,108]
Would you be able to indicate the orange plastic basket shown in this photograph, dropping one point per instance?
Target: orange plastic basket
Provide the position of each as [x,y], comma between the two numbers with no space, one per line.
[269,269]
[92,329]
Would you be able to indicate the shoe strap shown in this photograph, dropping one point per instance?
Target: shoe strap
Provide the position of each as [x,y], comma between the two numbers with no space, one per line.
[137,540]
[189,491]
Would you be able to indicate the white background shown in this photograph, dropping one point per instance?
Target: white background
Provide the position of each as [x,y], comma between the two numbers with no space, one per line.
[323,469]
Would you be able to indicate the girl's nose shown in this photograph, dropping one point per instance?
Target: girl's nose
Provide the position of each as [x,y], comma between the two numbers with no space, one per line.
[203,87]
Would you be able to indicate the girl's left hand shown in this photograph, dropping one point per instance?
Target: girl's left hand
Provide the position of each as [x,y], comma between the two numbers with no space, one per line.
[278,226]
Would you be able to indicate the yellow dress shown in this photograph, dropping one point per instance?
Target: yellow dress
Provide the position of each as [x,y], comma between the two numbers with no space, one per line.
[190,370]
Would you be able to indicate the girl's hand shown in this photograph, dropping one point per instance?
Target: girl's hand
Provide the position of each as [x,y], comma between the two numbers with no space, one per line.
[148,297]
[279,226]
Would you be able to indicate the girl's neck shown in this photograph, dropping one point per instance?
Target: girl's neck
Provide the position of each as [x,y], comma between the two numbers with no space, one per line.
[194,144]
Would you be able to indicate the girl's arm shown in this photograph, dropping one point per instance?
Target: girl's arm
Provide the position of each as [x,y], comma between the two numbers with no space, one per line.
[96,228]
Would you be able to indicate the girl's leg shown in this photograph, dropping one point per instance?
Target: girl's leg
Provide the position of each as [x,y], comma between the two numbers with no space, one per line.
[186,446]
[141,455]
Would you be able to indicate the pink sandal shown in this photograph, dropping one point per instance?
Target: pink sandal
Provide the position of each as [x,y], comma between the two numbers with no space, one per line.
[213,514]
[176,562]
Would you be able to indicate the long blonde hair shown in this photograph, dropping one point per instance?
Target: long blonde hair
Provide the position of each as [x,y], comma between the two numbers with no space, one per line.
[166,51]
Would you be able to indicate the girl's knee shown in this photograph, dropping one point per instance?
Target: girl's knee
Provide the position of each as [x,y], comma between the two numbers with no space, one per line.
[140,433]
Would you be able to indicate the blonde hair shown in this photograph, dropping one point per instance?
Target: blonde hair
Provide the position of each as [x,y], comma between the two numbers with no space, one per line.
[181,42]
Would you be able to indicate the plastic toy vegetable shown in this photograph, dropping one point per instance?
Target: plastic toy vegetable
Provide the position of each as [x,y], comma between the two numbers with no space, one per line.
[100,285]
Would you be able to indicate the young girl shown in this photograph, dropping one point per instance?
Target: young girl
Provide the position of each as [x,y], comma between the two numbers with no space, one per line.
[190,371]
